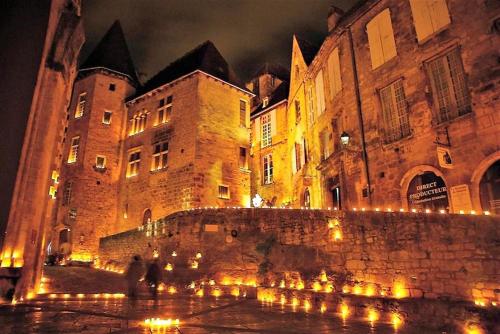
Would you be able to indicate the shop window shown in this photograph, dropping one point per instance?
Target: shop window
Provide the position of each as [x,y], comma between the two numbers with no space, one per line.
[450,92]
[428,191]
[394,111]
[381,38]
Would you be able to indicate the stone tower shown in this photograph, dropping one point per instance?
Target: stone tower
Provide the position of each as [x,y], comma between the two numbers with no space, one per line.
[87,196]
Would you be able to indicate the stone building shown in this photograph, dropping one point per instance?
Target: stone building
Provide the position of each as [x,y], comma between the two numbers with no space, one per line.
[92,151]
[398,109]
[39,74]
[134,153]
[268,152]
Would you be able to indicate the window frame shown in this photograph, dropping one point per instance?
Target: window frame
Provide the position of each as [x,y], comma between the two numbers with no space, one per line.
[395,112]
[74,149]
[133,166]
[80,105]
[159,160]
[97,160]
[104,117]
[243,113]
[164,110]
[267,171]
[222,196]
[266,130]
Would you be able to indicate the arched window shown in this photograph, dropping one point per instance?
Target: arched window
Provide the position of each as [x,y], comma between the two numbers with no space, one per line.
[427,191]
[147,217]
[489,189]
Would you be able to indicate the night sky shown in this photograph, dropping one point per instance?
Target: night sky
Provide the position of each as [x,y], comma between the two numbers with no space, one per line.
[246,32]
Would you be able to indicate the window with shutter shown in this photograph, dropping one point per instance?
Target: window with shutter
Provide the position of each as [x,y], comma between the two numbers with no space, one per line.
[320,92]
[394,111]
[334,72]
[429,17]
[381,38]
[243,113]
[450,92]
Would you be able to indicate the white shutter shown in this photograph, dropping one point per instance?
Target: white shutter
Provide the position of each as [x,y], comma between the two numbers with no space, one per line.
[257,130]
[294,161]
[334,73]
[421,19]
[374,43]
[439,14]
[387,35]
[273,122]
[320,92]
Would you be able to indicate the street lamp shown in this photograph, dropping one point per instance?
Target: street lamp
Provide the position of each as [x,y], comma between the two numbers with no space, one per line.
[344,138]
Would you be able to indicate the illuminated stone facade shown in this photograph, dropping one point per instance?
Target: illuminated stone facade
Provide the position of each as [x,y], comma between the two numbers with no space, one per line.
[43,72]
[413,87]
[134,153]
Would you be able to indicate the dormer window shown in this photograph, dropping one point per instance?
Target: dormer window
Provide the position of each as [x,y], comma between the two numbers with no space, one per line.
[265,102]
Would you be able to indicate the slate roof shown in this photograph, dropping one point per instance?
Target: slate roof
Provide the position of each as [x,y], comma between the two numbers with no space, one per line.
[112,53]
[277,70]
[308,50]
[279,94]
[204,57]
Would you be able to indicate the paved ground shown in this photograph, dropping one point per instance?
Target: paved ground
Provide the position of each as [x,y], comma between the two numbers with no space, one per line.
[206,315]
[197,316]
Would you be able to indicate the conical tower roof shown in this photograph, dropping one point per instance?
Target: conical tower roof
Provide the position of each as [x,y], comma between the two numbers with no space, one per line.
[112,53]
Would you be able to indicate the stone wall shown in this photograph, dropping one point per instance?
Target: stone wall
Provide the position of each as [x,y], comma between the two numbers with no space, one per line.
[425,255]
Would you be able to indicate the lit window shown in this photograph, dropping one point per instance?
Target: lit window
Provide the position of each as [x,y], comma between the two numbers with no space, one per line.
[265,102]
[381,38]
[55,176]
[164,110]
[297,110]
[100,161]
[268,169]
[80,107]
[395,111]
[52,192]
[429,17]
[73,150]
[160,156]
[266,130]
[223,192]
[449,88]
[134,161]
[243,162]
[243,113]
[138,123]
[68,186]
[106,117]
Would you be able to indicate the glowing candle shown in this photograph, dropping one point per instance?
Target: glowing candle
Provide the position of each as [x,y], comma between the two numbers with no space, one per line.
[372,315]
[344,311]
[172,289]
[322,308]
[396,320]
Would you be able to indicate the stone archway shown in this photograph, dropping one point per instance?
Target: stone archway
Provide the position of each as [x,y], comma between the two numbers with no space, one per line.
[477,175]
[410,175]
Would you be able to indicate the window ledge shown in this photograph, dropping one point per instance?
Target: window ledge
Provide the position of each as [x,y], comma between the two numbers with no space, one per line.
[400,141]
[99,169]
[245,170]
[156,171]
[440,125]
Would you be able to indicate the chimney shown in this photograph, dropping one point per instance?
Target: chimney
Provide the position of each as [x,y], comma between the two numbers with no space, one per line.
[334,15]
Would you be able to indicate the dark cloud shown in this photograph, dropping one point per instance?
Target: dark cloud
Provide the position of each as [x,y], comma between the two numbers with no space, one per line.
[246,32]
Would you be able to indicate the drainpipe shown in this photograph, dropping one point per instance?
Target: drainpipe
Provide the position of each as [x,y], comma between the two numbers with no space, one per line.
[360,115]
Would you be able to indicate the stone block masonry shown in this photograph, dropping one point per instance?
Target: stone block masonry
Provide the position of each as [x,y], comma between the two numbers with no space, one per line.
[400,254]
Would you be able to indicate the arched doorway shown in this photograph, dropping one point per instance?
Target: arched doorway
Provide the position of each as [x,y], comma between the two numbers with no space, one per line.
[146,218]
[307,198]
[427,190]
[65,241]
[489,189]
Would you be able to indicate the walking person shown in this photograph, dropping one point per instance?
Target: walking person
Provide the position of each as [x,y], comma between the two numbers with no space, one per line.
[134,273]
[154,277]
